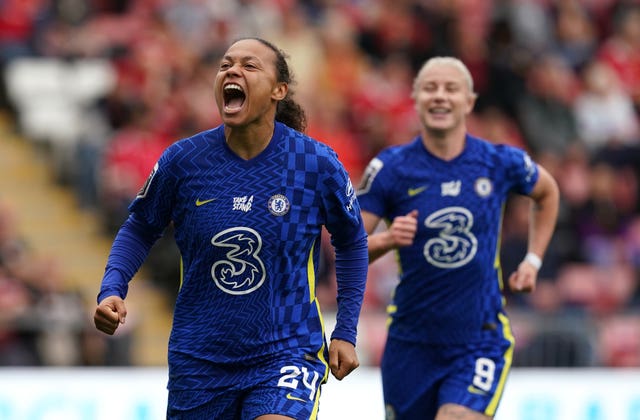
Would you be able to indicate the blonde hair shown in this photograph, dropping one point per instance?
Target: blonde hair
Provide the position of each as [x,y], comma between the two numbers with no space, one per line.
[452,61]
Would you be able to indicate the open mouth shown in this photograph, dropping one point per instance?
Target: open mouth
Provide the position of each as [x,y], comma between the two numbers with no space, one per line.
[438,110]
[233,97]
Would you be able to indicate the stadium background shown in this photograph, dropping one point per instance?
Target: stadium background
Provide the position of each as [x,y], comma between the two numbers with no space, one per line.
[93,90]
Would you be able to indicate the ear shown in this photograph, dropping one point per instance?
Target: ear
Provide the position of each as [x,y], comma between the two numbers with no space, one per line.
[471,102]
[280,91]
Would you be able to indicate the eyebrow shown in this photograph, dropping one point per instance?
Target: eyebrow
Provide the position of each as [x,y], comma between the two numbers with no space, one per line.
[445,82]
[245,58]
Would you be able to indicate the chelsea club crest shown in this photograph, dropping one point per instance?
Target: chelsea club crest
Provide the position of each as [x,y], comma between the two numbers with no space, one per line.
[483,187]
[278,205]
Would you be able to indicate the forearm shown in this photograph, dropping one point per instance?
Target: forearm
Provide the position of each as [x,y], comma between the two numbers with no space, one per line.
[351,277]
[379,244]
[544,215]
[542,225]
[128,252]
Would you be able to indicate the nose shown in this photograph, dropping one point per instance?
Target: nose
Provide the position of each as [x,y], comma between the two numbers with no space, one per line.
[440,92]
[233,69]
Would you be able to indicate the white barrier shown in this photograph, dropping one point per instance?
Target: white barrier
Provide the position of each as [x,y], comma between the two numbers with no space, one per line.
[139,394]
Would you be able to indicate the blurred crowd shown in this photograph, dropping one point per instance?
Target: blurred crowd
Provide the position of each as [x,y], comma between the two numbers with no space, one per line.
[559,78]
[42,321]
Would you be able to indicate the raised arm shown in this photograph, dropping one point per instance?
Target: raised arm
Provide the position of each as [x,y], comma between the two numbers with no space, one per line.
[400,233]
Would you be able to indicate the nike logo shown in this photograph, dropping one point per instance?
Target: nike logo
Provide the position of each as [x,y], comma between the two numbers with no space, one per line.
[203,202]
[291,397]
[472,389]
[415,191]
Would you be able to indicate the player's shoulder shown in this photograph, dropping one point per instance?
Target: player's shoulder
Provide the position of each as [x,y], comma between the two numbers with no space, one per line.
[400,153]
[311,152]
[201,139]
[489,151]
[201,142]
[302,142]
[395,161]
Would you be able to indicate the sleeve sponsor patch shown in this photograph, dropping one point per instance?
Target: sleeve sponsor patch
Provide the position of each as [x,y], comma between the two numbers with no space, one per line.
[369,175]
[145,188]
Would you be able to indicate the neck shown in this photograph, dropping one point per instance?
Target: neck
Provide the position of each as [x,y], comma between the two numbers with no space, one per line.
[248,142]
[445,145]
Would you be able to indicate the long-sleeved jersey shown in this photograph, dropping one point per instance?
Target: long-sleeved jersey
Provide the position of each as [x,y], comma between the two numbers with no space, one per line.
[249,236]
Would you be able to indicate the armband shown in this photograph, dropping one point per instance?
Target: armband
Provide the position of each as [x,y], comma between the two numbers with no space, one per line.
[534,260]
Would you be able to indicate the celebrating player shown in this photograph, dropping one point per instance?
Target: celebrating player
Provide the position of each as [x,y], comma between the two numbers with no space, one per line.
[248,200]
[449,345]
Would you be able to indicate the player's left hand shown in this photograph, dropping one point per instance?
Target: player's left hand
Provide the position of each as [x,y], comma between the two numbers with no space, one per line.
[342,358]
[524,279]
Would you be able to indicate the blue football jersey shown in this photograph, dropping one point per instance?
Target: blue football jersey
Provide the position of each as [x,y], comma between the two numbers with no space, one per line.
[450,284]
[248,232]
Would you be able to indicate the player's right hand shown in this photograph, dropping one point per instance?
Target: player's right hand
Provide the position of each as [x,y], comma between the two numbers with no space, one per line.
[403,229]
[110,313]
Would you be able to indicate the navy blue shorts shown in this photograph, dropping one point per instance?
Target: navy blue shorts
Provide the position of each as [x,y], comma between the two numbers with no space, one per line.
[418,378]
[289,388]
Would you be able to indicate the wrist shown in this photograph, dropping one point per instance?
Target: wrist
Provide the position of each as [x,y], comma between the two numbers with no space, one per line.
[387,242]
[534,260]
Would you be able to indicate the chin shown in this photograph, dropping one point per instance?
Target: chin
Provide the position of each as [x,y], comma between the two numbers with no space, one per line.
[232,120]
[438,130]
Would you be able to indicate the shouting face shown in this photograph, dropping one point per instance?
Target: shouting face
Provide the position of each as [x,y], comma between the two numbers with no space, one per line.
[246,86]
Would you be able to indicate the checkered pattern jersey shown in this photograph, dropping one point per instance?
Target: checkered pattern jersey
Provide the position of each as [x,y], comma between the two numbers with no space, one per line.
[248,233]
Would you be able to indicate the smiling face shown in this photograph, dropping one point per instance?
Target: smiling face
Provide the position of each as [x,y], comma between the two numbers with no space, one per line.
[443,96]
[246,86]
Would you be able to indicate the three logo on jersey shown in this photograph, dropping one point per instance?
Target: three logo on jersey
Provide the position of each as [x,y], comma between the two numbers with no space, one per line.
[456,244]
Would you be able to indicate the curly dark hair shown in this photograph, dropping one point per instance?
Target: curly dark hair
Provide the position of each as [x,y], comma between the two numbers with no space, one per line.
[288,111]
